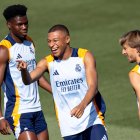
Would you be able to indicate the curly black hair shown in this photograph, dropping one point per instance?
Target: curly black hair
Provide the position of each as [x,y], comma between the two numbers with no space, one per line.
[14,10]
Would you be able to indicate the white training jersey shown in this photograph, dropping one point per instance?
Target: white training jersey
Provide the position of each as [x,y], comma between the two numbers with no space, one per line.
[69,86]
[19,98]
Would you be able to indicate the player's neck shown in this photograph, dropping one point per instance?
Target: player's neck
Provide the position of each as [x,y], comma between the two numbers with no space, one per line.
[138,61]
[67,54]
[17,39]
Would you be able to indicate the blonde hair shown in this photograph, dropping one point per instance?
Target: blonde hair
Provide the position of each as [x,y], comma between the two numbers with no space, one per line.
[132,38]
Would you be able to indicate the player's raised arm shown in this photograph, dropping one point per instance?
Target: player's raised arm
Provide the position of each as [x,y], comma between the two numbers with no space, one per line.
[27,77]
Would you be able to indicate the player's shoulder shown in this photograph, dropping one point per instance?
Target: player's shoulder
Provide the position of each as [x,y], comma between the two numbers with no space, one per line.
[6,43]
[85,54]
[136,69]
[134,76]
[4,55]
[134,72]
[82,52]
[49,58]
[4,49]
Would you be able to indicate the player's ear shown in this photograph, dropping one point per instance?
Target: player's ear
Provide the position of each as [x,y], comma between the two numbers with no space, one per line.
[9,25]
[68,39]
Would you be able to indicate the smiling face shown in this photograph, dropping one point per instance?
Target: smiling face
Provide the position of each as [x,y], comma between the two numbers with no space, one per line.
[58,41]
[131,53]
[18,26]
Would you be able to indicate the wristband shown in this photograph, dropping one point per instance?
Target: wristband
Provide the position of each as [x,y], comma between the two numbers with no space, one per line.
[1,118]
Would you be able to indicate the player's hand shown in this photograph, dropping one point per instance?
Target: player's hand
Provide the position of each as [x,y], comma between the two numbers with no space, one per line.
[4,127]
[21,65]
[78,111]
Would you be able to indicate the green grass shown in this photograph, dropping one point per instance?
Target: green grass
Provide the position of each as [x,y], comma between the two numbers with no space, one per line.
[96,25]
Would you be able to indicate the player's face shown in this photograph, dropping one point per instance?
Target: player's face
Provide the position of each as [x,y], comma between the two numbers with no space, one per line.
[130,53]
[18,26]
[58,42]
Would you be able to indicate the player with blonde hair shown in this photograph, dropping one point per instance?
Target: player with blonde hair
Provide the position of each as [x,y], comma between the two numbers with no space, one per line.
[130,43]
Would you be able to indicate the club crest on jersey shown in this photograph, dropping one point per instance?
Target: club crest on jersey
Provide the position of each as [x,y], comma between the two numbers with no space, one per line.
[78,68]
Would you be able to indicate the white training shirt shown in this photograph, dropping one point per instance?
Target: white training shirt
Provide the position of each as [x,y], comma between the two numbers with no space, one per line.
[19,98]
[69,86]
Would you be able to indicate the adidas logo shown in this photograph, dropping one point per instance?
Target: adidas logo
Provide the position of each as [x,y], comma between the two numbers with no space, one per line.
[31,50]
[19,56]
[25,128]
[55,72]
[104,138]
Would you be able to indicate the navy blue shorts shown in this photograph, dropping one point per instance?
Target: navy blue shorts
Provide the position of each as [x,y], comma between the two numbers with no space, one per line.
[95,132]
[33,121]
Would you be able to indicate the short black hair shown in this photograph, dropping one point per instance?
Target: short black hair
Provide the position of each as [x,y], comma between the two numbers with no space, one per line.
[60,27]
[14,10]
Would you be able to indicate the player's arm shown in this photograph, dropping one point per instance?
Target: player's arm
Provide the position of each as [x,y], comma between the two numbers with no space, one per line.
[44,83]
[29,78]
[35,75]
[4,126]
[91,77]
[135,82]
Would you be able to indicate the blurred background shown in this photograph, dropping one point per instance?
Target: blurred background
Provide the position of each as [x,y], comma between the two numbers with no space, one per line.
[96,25]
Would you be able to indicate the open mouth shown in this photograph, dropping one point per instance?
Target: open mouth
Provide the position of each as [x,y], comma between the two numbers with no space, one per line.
[54,50]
